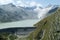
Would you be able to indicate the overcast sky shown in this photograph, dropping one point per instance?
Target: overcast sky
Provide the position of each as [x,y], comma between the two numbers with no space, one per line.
[31,2]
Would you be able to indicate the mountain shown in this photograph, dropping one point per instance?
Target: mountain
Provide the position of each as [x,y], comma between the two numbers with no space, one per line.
[48,28]
[42,13]
[54,8]
[32,8]
[47,11]
[10,12]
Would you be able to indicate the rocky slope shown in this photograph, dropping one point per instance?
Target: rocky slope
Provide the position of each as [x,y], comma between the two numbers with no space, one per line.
[48,28]
[10,12]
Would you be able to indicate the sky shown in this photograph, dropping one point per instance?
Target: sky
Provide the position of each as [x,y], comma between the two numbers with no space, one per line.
[42,3]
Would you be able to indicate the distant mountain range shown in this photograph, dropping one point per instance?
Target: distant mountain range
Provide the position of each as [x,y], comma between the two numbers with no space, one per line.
[10,12]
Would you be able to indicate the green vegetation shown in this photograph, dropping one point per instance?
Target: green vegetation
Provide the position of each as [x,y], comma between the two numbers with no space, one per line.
[7,36]
[48,28]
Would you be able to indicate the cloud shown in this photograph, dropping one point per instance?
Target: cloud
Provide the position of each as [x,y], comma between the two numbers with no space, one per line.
[22,3]
[33,3]
[5,2]
[27,3]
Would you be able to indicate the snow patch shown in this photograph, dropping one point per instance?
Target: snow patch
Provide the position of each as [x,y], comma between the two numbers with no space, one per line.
[42,12]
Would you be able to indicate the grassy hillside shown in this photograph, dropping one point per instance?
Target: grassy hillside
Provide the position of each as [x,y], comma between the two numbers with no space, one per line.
[7,36]
[48,28]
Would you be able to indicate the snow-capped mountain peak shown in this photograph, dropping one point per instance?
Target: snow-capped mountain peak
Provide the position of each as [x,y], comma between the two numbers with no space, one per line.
[42,12]
[46,11]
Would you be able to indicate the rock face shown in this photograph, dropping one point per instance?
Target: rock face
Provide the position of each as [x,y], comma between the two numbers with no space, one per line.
[10,12]
[48,28]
